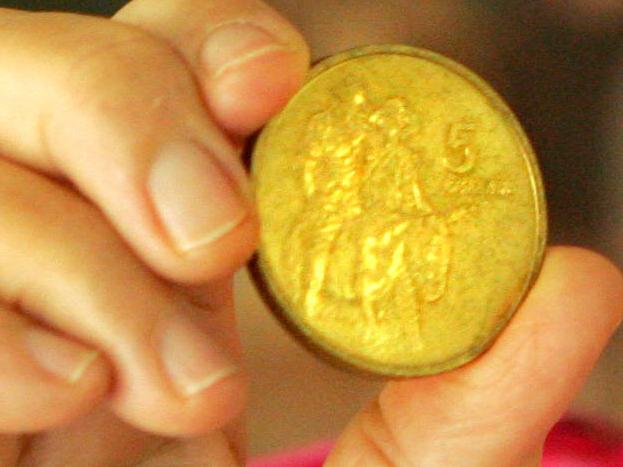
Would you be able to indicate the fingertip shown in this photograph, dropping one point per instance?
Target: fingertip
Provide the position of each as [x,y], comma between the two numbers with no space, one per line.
[178,377]
[214,406]
[94,375]
[49,382]
[222,259]
[586,262]
[255,87]
[552,341]
[87,389]
[215,260]
[170,413]
[77,377]
[577,275]
[557,333]
[203,212]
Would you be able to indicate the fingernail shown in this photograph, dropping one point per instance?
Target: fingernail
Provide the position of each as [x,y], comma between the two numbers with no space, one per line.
[233,44]
[64,359]
[195,199]
[193,361]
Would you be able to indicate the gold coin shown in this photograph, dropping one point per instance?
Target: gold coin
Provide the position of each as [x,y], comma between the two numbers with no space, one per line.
[402,212]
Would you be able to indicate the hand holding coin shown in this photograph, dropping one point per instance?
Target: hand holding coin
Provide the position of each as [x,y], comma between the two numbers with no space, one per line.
[403,224]
[396,240]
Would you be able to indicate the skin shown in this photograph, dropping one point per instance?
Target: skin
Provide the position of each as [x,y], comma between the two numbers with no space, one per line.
[88,107]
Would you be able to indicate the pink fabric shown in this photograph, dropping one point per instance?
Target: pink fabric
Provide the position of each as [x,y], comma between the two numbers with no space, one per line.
[311,456]
[571,443]
[581,443]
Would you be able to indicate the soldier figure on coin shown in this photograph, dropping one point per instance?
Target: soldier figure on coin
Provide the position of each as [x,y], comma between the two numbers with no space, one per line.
[405,248]
[334,158]
[363,200]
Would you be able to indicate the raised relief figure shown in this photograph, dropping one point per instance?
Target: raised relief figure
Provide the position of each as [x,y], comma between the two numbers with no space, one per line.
[368,233]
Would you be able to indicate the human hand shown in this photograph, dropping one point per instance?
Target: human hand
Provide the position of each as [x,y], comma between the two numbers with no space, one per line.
[111,120]
[123,214]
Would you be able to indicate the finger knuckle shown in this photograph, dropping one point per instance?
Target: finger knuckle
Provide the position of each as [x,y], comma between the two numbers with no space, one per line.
[129,69]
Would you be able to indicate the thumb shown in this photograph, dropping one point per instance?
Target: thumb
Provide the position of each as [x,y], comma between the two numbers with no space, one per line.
[498,409]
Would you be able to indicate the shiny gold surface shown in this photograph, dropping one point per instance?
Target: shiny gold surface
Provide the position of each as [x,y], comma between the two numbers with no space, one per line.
[402,212]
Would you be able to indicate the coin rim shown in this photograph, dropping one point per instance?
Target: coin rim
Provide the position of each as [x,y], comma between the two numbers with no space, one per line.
[343,359]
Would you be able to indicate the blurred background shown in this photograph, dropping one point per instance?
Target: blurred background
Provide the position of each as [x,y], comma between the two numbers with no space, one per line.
[559,64]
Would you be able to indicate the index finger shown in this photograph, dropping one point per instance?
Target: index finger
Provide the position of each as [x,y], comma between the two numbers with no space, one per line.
[117,111]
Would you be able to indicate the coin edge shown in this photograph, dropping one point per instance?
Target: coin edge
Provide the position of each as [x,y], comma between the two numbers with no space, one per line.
[350,362]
